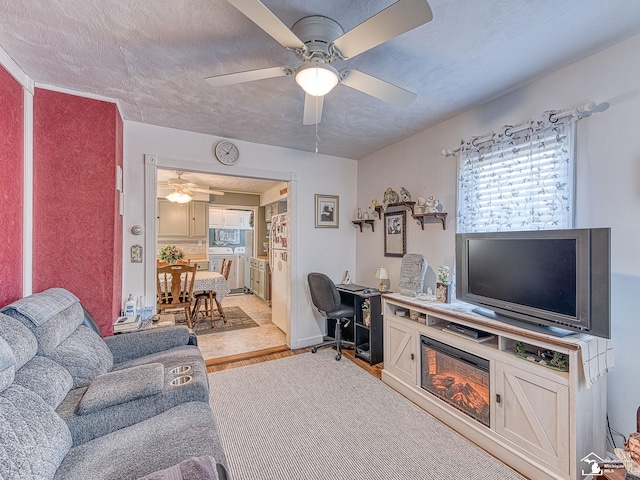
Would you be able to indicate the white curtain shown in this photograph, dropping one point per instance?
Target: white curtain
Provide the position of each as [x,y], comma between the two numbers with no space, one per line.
[521,178]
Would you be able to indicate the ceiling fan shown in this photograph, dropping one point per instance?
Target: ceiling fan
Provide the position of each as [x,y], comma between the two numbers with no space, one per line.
[318,41]
[183,190]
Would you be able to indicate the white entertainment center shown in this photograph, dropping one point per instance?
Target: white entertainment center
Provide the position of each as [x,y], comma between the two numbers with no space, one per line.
[540,421]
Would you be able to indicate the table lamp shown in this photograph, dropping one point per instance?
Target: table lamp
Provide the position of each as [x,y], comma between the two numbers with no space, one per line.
[382,275]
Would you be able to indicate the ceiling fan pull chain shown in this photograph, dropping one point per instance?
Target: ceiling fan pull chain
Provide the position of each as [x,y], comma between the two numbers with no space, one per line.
[317,121]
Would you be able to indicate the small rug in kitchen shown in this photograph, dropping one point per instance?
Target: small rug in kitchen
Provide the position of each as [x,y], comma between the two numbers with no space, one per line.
[237,319]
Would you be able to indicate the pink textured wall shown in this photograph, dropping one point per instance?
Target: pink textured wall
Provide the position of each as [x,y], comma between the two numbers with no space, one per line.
[76,226]
[11,190]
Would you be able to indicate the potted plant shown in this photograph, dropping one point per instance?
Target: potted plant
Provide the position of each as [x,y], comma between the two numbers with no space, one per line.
[171,254]
[443,286]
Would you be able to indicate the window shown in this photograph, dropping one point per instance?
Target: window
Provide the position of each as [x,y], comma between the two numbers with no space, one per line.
[519,179]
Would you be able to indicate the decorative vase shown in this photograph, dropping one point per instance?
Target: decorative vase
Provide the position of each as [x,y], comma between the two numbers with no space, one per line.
[366,318]
[443,292]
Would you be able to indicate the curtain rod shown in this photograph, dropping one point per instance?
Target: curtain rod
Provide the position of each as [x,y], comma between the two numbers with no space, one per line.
[585,111]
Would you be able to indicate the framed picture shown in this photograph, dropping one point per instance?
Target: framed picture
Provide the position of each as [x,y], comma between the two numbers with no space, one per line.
[327,211]
[136,253]
[394,234]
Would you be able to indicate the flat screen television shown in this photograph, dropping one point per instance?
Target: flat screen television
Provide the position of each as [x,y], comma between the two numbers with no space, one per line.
[553,281]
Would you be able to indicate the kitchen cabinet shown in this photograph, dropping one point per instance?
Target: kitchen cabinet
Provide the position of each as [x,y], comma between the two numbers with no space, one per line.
[244,220]
[182,220]
[232,219]
[215,218]
[259,277]
[201,265]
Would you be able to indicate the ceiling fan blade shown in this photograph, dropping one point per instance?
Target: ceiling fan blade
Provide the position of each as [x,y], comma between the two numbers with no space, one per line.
[312,109]
[249,76]
[396,19]
[375,87]
[267,21]
[204,190]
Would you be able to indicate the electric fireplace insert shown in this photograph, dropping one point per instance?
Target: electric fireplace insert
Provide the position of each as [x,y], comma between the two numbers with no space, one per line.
[456,377]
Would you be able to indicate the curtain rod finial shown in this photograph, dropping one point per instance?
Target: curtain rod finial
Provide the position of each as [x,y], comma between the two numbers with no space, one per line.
[447,152]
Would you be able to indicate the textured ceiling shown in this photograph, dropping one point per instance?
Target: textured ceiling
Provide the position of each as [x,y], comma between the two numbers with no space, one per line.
[220,182]
[153,56]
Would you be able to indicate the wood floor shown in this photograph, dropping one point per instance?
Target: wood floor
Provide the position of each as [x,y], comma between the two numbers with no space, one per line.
[241,360]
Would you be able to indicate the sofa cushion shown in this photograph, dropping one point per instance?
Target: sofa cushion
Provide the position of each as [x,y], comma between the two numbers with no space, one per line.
[185,431]
[19,337]
[7,365]
[49,380]
[199,468]
[122,386]
[55,330]
[39,308]
[84,354]
[33,439]
[101,422]
[146,342]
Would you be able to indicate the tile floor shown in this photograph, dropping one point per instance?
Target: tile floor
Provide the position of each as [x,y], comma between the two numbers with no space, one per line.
[247,340]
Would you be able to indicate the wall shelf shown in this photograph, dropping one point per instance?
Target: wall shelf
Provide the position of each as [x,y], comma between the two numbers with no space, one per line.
[431,218]
[406,205]
[422,218]
[365,222]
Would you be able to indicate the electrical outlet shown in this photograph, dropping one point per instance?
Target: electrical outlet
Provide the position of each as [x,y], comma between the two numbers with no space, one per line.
[199,243]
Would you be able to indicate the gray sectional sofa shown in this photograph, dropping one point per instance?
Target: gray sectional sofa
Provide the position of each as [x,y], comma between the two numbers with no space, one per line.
[76,406]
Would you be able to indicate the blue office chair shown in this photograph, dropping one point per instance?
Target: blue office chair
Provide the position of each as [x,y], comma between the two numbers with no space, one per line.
[326,298]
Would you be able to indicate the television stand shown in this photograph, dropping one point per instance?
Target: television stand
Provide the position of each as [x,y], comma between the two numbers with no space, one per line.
[534,327]
[542,419]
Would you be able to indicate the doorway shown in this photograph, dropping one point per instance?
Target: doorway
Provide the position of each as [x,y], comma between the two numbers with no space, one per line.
[237,200]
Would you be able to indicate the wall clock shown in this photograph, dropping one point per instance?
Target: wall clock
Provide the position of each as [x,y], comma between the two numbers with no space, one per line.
[226,153]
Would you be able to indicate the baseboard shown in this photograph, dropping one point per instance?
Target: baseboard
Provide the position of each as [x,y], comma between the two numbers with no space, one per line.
[308,342]
[245,356]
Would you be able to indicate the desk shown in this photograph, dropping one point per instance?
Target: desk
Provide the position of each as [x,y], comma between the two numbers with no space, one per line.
[368,338]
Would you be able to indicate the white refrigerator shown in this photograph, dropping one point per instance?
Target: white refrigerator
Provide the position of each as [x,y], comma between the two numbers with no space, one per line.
[279,264]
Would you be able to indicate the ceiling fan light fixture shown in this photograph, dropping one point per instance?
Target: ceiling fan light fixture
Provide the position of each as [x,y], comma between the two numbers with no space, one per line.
[317,78]
[179,196]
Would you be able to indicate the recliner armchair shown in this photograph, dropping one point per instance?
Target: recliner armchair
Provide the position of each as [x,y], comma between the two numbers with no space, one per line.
[326,298]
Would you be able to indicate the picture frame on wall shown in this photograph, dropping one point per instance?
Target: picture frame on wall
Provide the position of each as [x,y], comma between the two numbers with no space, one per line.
[394,234]
[327,211]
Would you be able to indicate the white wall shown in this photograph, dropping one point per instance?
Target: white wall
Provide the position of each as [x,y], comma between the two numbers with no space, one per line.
[608,189]
[331,251]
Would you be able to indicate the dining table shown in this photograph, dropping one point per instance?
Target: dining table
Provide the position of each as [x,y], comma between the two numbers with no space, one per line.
[215,284]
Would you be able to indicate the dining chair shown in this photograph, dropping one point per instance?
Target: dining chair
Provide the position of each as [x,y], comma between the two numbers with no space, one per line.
[164,263]
[175,288]
[209,298]
[226,268]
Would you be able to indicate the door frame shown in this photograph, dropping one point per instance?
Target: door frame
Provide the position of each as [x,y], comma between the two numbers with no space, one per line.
[153,162]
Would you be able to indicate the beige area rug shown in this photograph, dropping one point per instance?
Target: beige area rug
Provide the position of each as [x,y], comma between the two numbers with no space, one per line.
[236,318]
[308,417]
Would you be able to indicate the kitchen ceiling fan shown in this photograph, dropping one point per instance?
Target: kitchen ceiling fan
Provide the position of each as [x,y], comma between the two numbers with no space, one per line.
[318,41]
[183,189]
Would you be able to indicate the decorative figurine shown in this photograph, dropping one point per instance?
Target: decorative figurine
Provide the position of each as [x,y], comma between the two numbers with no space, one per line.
[421,205]
[405,195]
[390,196]
[432,204]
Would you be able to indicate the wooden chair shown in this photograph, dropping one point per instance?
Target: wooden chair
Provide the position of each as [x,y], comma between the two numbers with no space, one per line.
[163,263]
[209,298]
[226,268]
[175,288]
